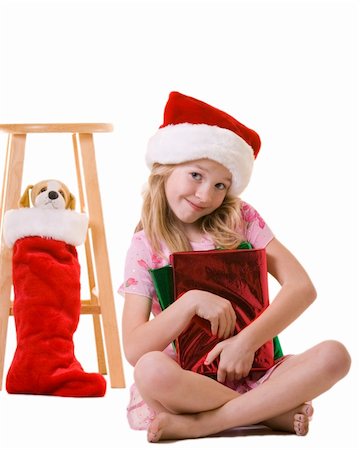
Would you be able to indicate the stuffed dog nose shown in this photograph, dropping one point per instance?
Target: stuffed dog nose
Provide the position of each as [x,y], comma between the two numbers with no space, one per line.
[53,195]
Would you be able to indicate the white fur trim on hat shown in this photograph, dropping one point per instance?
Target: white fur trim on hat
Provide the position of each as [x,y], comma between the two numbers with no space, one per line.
[184,142]
[60,224]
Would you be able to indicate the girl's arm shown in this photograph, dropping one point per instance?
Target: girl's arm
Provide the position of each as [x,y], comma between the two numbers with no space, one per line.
[141,335]
[296,294]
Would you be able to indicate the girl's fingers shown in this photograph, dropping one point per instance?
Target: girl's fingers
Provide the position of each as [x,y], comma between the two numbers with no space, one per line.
[214,353]
[221,375]
[221,318]
[230,322]
[214,326]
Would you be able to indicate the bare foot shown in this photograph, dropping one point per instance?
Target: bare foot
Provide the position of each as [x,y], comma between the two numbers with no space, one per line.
[170,426]
[295,421]
[167,426]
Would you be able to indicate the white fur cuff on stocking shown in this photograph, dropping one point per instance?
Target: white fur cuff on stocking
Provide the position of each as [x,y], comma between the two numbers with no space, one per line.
[63,225]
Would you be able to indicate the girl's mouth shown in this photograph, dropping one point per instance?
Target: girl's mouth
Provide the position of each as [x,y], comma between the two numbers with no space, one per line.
[194,206]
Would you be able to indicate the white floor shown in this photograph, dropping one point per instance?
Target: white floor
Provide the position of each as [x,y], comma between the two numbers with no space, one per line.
[39,422]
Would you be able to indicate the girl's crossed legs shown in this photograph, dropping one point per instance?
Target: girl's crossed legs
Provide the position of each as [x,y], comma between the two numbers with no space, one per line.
[189,405]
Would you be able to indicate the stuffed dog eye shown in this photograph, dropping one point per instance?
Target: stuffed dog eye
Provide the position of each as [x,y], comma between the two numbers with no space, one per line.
[42,190]
[62,193]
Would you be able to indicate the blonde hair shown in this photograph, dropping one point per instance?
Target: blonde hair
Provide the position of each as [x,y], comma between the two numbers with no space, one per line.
[224,225]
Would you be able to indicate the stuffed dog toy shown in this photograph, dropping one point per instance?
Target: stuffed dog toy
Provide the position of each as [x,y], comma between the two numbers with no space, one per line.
[48,194]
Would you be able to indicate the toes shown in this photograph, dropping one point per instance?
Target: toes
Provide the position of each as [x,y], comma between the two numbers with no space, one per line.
[153,432]
[307,409]
[152,437]
[297,428]
[301,428]
[300,418]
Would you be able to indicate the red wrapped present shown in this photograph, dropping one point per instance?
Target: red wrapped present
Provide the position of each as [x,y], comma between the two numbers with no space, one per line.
[240,276]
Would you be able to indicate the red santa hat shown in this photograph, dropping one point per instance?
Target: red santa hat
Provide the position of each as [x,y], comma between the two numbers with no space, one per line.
[194,130]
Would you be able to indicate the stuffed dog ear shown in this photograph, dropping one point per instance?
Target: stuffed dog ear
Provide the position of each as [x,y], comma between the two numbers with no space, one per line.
[71,202]
[24,201]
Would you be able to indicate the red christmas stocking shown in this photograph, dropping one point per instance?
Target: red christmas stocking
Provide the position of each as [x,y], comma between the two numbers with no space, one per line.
[46,279]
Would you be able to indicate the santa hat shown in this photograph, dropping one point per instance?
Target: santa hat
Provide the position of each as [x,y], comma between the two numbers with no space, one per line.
[194,130]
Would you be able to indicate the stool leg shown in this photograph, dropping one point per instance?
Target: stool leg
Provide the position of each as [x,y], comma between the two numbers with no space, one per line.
[90,268]
[9,199]
[102,267]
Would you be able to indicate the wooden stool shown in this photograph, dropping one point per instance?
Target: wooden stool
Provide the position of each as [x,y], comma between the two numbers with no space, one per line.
[101,302]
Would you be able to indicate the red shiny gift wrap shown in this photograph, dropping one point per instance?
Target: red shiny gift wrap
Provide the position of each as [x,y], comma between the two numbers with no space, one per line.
[240,276]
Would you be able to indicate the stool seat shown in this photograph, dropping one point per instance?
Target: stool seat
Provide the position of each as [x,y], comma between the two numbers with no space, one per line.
[101,302]
[20,128]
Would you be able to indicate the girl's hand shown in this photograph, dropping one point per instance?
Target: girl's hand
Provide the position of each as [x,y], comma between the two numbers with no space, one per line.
[217,310]
[236,358]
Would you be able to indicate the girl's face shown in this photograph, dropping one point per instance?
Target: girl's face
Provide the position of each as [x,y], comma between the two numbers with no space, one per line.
[196,188]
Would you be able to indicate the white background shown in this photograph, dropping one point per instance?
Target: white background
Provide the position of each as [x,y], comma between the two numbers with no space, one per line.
[288,69]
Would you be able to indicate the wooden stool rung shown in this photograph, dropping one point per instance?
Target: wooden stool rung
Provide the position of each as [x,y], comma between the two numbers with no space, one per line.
[86,308]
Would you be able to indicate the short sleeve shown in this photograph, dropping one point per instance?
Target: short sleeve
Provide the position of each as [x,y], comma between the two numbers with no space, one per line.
[139,260]
[257,231]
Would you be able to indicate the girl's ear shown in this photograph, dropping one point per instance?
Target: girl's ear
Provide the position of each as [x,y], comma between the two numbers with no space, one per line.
[24,201]
[71,202]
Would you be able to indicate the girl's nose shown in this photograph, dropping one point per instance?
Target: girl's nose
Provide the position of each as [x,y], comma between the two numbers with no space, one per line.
[203,193]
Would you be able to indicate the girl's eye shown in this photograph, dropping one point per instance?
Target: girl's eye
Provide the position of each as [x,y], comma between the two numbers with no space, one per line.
[220,186]
[196,176]
[43,189]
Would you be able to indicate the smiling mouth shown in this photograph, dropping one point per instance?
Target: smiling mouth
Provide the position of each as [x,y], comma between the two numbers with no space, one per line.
[195,207]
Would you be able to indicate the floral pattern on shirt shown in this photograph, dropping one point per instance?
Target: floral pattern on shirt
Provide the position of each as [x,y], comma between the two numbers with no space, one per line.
[250,215]
[130,282]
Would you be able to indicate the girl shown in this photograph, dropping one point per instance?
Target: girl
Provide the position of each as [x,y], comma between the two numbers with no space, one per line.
[201,160]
